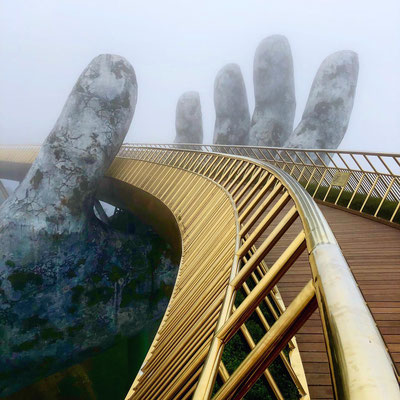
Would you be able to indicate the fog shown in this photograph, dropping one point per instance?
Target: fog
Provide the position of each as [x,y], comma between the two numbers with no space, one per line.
[176,46]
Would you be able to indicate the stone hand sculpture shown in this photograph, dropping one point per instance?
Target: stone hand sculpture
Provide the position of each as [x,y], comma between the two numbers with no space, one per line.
[328,109]
[56,196]
[232,120]
[67,282]
[327,113]
[275,102]
[188,120]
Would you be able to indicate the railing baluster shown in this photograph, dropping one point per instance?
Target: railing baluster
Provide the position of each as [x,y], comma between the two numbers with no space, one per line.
[274,340]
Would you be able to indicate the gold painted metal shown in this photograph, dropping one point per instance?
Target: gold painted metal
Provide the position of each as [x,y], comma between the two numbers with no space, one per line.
[219,201]
[385,196]
[265,189]
[266,284]
[369,193]
[3,191]
[340,178]
[267,374]
[223,372]
[294,353]
[274,340]
[251,181]
[272,214]
[245,177]
[310,167]
[269,242]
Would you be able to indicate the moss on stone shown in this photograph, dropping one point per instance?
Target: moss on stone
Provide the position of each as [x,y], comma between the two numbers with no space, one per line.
[37,178]
[77,292]
[10,263]
[32,322]
[129,294]
[163,292]
[116,273]
[72,330]
[96,278]
[71,273]
[72,309]
[97,285]
[74,202]
[99,295]
[25,346]
[51,334]
[81,261]
[20,279]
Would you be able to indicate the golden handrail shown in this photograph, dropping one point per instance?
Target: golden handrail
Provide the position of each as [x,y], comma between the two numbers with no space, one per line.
[359,182]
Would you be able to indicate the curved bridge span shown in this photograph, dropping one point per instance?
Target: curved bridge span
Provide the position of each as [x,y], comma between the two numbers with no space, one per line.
[248,226]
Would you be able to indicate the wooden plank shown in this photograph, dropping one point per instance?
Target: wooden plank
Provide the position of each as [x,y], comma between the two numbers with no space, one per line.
[373,253]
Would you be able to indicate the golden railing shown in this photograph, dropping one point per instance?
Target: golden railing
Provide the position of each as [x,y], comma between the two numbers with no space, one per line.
[232,212]
[3,191]
[361,182]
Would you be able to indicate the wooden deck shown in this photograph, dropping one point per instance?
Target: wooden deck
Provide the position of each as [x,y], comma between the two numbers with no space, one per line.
[372,251]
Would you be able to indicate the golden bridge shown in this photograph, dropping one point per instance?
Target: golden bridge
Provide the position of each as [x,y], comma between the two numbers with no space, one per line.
[328,274]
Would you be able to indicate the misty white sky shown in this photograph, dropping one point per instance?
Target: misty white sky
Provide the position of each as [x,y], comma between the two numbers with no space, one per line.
[176,46]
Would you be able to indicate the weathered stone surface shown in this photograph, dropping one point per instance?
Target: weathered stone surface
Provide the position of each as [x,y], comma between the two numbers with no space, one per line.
[56,194]
[188,119]
[328,109]
[232,117]
[275,102]
[69,284]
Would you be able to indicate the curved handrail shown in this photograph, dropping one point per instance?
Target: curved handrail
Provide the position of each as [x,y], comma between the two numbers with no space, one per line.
[362,182]
[360,365]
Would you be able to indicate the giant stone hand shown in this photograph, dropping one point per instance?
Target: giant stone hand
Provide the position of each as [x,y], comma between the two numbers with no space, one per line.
[188,119]
[328,109]
[275,102]
[67,283]
[232,117]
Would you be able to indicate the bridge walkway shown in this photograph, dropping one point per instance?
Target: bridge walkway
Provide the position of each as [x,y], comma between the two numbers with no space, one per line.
[371,250]
[373,253]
